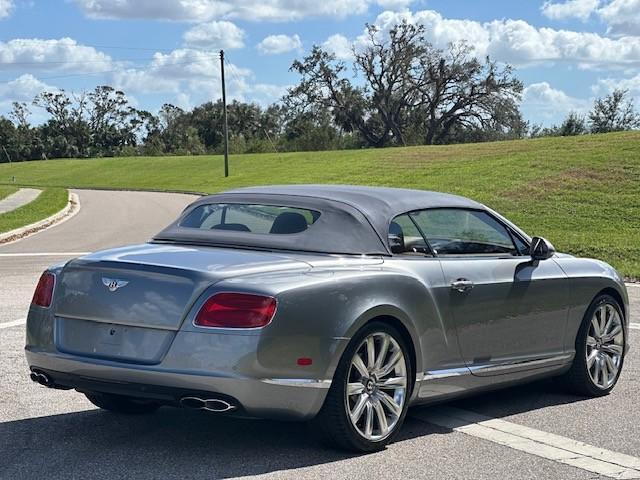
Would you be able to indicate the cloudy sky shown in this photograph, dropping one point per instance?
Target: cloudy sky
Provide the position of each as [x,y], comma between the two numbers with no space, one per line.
[566,51]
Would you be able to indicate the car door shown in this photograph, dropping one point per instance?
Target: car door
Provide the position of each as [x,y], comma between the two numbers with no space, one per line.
[510,311]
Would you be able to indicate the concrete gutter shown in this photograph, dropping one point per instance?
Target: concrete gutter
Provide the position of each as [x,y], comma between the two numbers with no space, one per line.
[71,209]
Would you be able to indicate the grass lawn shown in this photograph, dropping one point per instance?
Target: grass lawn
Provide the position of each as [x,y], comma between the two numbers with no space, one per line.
[49,202]
[6,191]
[582,193]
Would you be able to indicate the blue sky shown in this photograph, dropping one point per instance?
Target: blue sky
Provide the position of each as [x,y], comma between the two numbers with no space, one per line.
[567,52]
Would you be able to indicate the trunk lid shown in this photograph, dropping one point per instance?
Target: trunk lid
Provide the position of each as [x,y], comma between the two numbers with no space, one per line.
[126,304]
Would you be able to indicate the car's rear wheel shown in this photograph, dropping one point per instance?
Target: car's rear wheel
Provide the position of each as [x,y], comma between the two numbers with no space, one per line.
[600,349]
[121,404]
[368,398]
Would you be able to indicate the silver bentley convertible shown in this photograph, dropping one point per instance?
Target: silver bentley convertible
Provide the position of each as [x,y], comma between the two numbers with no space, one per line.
[335,304]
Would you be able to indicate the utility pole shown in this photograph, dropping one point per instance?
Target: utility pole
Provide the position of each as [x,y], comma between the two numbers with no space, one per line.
[224,117]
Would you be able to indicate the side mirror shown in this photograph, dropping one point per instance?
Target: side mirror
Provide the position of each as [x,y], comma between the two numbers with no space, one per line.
[541,249]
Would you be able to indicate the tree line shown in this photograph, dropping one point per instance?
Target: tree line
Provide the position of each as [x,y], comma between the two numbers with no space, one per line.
[400,90]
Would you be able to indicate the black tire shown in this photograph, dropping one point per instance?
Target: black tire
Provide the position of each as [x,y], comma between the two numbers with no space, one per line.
[121,404]
[332,425]
[578,380]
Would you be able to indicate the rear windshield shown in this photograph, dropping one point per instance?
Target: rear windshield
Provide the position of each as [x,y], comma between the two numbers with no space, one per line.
[263,219]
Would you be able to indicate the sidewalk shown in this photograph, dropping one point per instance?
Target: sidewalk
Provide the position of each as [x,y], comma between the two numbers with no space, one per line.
[18,199]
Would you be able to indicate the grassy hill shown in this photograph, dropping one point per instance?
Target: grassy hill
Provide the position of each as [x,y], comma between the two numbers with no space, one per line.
[582,193]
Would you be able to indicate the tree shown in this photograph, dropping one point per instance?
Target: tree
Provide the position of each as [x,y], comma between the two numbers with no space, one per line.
[574,124]
[408,86]
[612,113]
[459,91]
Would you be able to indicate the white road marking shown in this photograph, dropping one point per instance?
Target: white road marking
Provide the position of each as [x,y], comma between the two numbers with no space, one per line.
[637,285]
[15,323]
[536,442]
[634,326]
[46,254]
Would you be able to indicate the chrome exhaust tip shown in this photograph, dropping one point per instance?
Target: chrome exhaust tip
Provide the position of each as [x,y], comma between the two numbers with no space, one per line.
[209,404]
[40,378]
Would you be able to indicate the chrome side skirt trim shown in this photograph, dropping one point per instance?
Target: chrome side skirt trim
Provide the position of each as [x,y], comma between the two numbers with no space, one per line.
[298,382]
[518,365]
[449,372]
[505,367]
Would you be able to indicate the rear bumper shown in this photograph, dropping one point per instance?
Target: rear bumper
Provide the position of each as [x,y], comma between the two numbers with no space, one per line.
[252,371]
[253,398]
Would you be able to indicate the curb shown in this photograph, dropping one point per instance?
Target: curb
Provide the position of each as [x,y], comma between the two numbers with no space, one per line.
[72,207]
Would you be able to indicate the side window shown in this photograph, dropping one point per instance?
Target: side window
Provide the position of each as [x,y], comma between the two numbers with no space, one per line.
[464,232]
[404,237]
[522,247]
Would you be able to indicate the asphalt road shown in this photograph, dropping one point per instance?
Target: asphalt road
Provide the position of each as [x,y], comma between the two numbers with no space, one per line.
[55,434]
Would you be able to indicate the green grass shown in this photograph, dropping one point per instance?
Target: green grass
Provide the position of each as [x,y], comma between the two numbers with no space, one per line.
[49,202]
[582,193]
[6,191]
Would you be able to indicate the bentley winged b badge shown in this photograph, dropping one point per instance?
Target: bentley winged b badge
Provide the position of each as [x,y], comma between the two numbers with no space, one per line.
[114,284]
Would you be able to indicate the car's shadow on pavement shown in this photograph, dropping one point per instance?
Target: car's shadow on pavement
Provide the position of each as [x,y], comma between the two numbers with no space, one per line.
[176,443]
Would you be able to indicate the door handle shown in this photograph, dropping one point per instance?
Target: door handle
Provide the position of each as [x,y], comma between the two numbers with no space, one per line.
[462,285]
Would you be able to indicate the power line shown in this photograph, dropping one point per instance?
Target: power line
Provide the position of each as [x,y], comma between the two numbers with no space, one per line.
[110,60]
[124,68]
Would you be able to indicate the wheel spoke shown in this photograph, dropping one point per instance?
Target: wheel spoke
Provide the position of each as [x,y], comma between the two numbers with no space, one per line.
[358,409]
[591,359]
[608,319]
[393,382]
[355,388]
[368,424]
[360,366]
[602,377]
[591,341]
[393,361]
[382,418]
[371,352]
[611,368]
[612,334]
[390,403]
[597,368]
[382,354]
[612,349]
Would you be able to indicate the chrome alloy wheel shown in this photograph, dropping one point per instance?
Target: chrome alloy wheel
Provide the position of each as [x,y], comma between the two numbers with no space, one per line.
[605,346]
[376,386]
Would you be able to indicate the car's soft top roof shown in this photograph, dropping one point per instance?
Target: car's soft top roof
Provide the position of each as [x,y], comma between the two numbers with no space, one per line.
[355,219]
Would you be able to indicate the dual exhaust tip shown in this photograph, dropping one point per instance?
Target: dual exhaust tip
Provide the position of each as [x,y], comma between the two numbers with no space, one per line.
[41,378]
[209,404]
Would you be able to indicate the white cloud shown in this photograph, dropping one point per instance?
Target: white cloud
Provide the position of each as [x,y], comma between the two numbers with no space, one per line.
[218,35]
[193,77]
[6,7]
[581,9]
[394,4]
[542,102]
[340,46]
[520,43]
[622,17]
[276,44]
[608,85]
[31,54]
[23,89]
[205,10]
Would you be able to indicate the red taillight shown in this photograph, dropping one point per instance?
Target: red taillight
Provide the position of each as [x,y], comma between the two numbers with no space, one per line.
[236,310]
[44,291]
